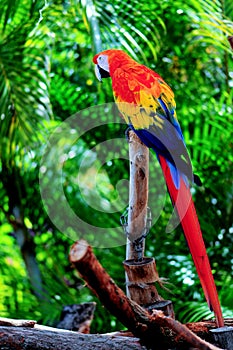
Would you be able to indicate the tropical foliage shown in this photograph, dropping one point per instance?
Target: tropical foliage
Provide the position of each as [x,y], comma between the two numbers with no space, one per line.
[46,75]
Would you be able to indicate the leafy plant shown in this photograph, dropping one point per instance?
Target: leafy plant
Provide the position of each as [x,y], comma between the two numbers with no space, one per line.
[46,75]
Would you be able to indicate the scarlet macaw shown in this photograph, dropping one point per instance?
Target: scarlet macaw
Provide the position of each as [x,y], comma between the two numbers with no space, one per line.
[147,104]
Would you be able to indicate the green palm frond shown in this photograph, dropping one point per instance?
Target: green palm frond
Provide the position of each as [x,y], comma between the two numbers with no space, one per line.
[8,11]
[23,86]
[208,135]
[19,12]
[194,311]
[125,24]
[198,311]
[213,20]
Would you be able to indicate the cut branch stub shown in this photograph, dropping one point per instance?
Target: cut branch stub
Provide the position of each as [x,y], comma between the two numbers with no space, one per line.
[141,279]
[224,337]
[142,271]
[141,285]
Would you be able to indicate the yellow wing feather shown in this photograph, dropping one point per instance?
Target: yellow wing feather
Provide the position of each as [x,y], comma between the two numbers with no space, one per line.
[143,113]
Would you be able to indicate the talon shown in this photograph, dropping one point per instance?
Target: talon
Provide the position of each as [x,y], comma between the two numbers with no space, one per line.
[127,133]
[124,221]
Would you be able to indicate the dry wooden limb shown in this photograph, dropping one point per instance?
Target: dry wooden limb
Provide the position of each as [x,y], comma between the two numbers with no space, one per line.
[9,322]
[25,337]
[156,331]
[202,329]
[46,338]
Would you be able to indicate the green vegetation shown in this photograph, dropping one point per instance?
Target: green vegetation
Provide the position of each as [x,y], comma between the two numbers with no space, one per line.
[47,75]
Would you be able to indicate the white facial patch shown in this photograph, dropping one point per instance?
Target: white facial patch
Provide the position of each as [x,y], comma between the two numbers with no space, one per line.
[102,61]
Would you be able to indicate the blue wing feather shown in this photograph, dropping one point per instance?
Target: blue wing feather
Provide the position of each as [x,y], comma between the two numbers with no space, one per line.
[168,141]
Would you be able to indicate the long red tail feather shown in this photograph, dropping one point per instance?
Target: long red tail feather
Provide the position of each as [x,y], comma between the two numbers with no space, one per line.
[182,200]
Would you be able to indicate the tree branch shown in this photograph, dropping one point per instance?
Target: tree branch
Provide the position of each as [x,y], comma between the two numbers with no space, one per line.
[47,338]
[155,330]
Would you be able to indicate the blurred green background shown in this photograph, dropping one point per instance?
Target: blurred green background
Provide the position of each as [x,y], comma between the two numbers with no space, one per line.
[46,75]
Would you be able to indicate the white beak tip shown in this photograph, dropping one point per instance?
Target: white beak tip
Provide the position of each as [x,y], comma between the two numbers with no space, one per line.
[97,73]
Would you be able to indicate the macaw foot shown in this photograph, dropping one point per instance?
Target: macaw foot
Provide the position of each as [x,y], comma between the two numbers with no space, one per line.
[127,133]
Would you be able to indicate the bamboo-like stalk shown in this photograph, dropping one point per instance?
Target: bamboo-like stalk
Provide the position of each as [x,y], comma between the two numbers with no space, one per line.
[93,23]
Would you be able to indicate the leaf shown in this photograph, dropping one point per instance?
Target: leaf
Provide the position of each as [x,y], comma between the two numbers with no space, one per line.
[119,25]
[213,23]
[23,100]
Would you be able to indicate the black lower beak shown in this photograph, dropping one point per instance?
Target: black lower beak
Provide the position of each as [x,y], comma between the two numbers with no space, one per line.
[103,73]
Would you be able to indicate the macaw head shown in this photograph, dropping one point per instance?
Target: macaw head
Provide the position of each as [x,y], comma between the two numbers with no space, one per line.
[106,62]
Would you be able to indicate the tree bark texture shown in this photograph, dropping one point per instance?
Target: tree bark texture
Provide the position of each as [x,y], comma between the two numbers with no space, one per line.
[141,279]
[21,338]
[138,191]
[204,328]
[156,330]
[141,272]
[138,202]
[27,335]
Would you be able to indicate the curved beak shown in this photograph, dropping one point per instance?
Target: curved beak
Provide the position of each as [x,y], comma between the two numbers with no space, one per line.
[97,72]
[101,72]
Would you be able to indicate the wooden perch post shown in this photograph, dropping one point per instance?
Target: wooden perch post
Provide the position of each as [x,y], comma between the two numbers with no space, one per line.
[141,272]
[156,330]
[138,192]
